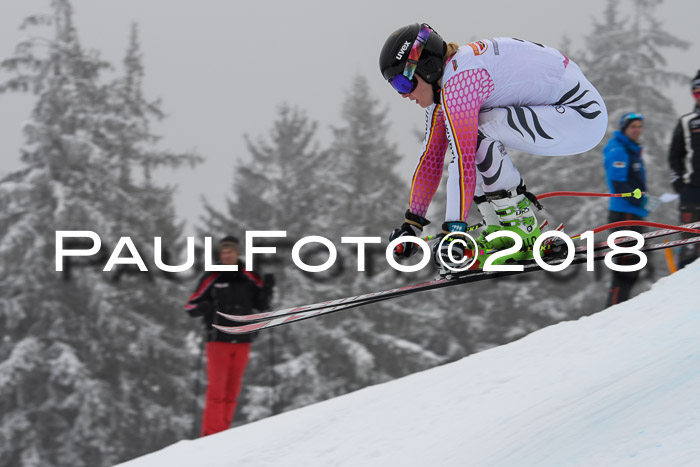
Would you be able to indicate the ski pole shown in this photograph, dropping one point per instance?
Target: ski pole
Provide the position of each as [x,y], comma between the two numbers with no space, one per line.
[636,194]
[273,376]
[197,375]
[640,223]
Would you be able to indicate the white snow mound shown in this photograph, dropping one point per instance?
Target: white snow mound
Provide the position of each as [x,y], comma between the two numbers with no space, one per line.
[619,388]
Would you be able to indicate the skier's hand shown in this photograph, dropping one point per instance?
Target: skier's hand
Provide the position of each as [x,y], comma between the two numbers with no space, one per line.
[413,226]
[204,308]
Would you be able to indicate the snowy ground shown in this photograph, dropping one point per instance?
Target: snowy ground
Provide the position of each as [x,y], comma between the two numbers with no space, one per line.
[619,388]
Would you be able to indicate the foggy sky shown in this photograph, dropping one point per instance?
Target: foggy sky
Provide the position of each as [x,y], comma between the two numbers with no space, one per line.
[222,68]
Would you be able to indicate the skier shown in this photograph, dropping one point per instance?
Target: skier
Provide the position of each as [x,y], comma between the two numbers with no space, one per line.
[479,99]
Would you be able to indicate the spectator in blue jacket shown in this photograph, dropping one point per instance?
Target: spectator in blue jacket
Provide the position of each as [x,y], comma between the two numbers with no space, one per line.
[625,172]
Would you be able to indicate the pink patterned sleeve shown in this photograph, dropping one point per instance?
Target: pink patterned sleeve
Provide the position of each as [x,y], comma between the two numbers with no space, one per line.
[462,97]
[428,173]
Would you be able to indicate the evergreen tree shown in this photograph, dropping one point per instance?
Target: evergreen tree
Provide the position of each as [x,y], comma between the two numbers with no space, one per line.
[626,60]
[623,59]
[349,189]
[271,190]
[91,367]
[375,200]
[369,194]
[279,188]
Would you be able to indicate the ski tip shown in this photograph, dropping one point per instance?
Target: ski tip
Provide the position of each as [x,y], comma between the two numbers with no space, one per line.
[220,328]
[226,315]
[245,318]
[231,329]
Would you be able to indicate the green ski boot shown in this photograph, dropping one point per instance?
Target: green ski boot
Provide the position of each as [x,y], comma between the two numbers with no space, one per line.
[513,211]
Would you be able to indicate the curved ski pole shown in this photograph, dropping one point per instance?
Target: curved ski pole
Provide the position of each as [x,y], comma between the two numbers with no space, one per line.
[637,194]
[657,225]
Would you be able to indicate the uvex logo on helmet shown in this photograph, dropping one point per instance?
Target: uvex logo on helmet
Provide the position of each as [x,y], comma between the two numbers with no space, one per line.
[403,50]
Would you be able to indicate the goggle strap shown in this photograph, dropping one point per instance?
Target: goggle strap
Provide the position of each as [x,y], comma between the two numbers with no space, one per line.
[416,51]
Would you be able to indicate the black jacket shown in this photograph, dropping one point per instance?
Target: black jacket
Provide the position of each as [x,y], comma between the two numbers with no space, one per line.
[239,292]
[684,155]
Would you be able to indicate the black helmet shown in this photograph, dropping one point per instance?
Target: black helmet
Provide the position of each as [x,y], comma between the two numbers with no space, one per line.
[394,55]
[694,84]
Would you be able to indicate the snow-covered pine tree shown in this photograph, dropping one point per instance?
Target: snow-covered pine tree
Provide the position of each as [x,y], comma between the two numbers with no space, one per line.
[51,398]
[280,187]
[388,340]
[156,370]
[88,373]
[370,195]
[626,59]
[350,189]
[623,58]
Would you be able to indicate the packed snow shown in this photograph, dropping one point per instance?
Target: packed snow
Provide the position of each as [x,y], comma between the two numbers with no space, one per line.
[618,388]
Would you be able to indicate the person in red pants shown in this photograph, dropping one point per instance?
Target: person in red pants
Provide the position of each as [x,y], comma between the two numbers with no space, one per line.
[234,292]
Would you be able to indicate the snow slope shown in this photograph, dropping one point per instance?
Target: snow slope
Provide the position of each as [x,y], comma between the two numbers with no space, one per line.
[619,388]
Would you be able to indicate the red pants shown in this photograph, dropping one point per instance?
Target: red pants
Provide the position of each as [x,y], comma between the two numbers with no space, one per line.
[226,364]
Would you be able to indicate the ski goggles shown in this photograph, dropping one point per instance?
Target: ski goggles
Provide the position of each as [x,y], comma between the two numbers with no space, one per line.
[406,82]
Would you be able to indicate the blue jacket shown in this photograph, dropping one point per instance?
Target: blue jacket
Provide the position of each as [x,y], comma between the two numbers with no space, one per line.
[624,171]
